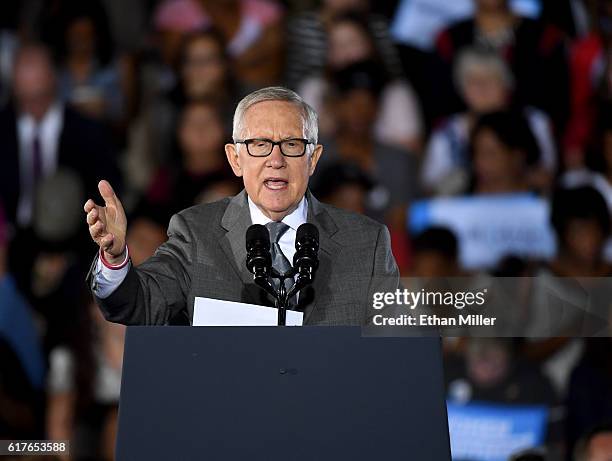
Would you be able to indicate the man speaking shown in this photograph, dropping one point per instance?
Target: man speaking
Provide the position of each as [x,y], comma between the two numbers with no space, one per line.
[275,151]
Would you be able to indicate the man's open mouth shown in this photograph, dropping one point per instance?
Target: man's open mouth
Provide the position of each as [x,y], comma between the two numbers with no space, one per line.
[276,183]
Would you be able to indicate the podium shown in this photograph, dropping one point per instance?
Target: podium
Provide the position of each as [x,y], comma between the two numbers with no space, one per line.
[272,394]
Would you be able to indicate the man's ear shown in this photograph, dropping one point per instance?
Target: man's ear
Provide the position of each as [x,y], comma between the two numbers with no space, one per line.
[233,158]
[314,159]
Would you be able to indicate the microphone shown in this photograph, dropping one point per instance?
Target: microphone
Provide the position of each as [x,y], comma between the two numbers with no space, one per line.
[306,259]
[258,261]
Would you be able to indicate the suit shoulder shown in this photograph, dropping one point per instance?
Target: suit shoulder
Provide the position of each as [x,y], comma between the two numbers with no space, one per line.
[205,212]
[350,220]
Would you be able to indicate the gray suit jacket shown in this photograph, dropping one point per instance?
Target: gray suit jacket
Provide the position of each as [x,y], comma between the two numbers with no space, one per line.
[205,255]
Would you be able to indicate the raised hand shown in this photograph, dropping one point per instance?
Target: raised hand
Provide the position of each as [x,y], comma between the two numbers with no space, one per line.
[107,224]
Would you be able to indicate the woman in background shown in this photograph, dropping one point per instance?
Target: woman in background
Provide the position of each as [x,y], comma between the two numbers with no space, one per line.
[399,120]
[200,161]
[91,77]
[486,84]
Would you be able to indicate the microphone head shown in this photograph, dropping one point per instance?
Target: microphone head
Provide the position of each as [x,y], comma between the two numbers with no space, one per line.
[306,248]
[257,235]
[258,260]
[307,234]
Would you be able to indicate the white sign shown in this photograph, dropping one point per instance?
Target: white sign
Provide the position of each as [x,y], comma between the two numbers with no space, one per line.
[490,227]
[492,432]
[418,22]
[209,312]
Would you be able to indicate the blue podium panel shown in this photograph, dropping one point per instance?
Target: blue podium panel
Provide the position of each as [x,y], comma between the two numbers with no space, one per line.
[270,393]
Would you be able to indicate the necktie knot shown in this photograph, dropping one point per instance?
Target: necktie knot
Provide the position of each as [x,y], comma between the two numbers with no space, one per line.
[276,229]
[279,260]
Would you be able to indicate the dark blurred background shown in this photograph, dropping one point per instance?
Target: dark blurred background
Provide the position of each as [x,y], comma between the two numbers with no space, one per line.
[479,131]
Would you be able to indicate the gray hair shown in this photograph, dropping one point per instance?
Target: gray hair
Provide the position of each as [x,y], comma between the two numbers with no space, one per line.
[481,58]
[277,93]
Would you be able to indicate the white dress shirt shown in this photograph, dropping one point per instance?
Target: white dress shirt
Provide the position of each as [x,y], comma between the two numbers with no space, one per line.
[293,220]
[49,130]
[107,280]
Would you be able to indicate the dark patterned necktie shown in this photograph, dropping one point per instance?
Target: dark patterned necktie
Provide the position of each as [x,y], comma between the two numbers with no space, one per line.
[36,157]
[279,260]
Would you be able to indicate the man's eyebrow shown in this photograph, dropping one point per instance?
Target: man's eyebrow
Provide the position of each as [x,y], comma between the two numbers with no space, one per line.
[285,138]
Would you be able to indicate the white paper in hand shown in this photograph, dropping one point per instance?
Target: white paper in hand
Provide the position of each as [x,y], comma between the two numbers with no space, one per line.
[217,313]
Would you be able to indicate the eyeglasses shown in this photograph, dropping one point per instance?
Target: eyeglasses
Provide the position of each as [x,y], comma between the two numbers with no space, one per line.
[261,147]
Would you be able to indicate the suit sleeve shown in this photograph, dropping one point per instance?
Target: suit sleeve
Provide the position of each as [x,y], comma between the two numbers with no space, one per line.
[156,290]
[385,274]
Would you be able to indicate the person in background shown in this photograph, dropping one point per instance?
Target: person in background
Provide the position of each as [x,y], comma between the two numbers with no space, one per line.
[532,454]
[356,99]
[204,73]
[22,366]
[58,245]
[308,39]
[350,40]
[581,222]
[201,136]
[250,28]
[597,171]
[589,403]
[595,445]
[346,186]
[591,72]
[83,387]
[147,231]
[434,256]
[38,133]
[253,32]
[91,78]
[486,84]
[535,52]
[493,371]
[435,253]
[9,21]
[172,21]
[502,151]
[219,188]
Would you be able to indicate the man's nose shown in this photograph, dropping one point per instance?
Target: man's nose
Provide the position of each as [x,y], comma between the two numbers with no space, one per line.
[276,158]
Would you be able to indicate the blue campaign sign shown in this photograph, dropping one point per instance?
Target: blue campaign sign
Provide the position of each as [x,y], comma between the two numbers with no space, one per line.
[490,227]
[493,432]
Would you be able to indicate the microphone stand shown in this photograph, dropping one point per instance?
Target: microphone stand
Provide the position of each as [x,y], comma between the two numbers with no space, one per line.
[262,277]
[281,296]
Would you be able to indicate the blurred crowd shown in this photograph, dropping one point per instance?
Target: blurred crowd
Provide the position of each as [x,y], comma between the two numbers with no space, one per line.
[142,93]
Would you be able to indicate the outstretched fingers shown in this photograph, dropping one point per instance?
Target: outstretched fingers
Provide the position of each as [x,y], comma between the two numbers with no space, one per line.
[107,193]
[92,216]
[89,205]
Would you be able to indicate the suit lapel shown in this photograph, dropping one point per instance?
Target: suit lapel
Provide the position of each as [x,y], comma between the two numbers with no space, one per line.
[236,220]
[320,289]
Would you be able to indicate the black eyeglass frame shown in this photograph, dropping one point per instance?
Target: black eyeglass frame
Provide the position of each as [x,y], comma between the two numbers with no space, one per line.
[247,142]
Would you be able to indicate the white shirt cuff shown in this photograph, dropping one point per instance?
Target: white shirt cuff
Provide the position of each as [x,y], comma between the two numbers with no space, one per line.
[106,279]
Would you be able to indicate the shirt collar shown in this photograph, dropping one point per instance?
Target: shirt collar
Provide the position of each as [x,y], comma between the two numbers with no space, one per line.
[51,119]
[294,220]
